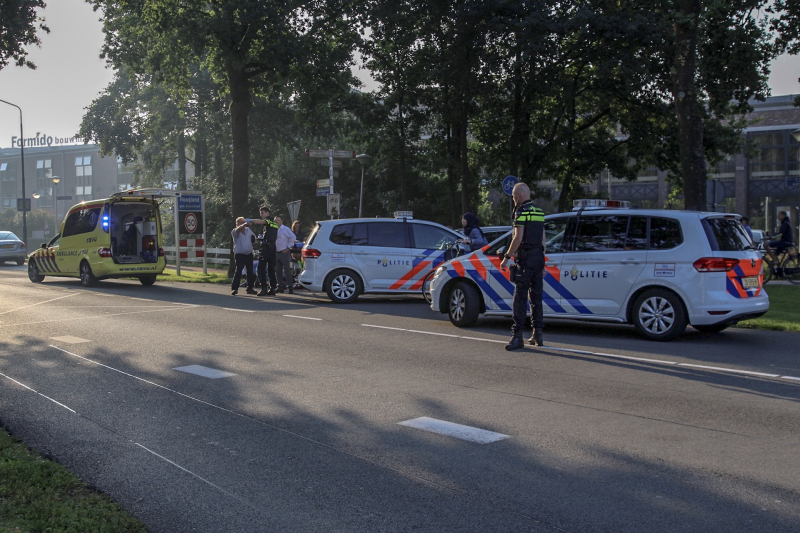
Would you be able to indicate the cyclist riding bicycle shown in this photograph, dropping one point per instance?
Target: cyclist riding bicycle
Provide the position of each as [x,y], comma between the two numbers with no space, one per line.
[777,247]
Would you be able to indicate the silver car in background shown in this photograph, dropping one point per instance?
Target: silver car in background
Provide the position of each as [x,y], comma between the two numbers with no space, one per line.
[12,248]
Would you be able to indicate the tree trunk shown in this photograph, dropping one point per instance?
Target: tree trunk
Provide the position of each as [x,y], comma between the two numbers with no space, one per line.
[464,158]
[240,110]
[181,161]
[241,103]
[687,106]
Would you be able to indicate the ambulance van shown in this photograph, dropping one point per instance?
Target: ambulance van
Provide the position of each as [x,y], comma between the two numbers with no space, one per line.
[119,237]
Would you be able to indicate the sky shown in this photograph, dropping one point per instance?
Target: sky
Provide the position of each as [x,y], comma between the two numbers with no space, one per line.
[70,75]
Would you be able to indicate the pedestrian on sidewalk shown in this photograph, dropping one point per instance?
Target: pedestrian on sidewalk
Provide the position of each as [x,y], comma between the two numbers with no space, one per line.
[243,240]
[284,243]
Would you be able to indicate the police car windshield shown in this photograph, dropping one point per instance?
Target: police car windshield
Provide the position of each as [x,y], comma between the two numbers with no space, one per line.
[726,235]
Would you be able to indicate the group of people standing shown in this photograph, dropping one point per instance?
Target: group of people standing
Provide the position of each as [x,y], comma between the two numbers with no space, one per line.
[276,242]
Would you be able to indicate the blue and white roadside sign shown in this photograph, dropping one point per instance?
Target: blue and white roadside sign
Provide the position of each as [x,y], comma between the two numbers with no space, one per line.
[508,184]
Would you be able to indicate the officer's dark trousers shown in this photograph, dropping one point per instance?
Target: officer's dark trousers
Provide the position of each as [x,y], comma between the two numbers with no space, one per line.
[266,267]
[530,265]
[243,261]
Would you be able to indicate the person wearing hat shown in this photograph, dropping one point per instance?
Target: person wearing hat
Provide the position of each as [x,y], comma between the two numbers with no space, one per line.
[267,253]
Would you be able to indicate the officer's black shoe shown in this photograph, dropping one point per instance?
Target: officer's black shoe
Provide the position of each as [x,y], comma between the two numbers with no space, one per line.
[515,344]
[262,293]
[291,290]
[280,291]
[536,339]
[251,291]
[234,292]
[271,292]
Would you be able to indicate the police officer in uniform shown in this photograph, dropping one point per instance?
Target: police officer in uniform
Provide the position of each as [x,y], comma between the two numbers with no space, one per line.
[268,253]
[527,246]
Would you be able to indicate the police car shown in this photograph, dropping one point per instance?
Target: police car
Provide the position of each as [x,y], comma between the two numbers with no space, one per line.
[658,270]
[348,257]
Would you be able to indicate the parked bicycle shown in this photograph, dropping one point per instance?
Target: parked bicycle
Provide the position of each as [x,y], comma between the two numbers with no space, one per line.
[787,266]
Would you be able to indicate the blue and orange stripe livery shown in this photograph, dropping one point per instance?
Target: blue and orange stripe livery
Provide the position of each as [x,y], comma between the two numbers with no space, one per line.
[744,269]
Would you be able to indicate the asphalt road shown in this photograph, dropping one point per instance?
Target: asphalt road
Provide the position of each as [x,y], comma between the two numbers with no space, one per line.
[301,430]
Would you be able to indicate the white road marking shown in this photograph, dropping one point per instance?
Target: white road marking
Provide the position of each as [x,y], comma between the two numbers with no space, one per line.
[70,340]
[39,393]
[204,371]
[239,310]
[730,370]
[303,317]
[599,354]
[451,429]
[141,299]
[149,310]
[40,303]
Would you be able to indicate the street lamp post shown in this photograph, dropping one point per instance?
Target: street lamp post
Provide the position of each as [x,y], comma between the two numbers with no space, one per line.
[55,179]
[364,159]
[22,157]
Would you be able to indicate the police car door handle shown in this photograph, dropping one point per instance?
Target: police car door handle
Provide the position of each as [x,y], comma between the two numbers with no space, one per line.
[631,261]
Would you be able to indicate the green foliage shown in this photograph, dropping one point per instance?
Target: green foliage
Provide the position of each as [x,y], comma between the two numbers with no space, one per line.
[18,25]
[40,495]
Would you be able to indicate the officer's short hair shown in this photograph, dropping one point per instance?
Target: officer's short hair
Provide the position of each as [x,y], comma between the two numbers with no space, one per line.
[265,208]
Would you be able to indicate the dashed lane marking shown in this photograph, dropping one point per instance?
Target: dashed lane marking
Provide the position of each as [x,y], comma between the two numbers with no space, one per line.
[70,339]
[600,354]
[39,393]
[239,310]
[303,317]
[451,429]
[39,303]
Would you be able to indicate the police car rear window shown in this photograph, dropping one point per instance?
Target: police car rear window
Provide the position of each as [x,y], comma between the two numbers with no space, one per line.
[726,235]
[665,233]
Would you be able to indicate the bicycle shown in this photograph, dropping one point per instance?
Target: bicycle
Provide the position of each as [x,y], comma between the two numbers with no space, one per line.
[786,267]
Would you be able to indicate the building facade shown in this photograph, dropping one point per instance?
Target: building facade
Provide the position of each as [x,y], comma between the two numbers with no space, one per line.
[758,187]
[58,177]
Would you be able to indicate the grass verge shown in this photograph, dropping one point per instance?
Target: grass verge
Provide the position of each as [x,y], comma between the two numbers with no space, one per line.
[37,494]
[219,277]
[784,310]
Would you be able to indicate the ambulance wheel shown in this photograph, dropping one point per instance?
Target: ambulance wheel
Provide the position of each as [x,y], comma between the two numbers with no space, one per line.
[147,280]
[462,305]
[658,315]
[87,278]
[343,286]
[33,272]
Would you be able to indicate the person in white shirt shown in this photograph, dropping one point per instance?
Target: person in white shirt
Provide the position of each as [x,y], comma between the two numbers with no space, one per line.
[243,239]
[283,244]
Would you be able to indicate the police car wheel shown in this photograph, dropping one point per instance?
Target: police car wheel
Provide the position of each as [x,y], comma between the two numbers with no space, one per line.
[462,305]
[147,280]
[343,286]
[659,315]
[87,278]
[426,286]
[33,272]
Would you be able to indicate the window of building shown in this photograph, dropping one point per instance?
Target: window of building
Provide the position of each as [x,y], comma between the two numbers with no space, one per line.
[125,175]
[723,169]
[8,179]
[44,182]
[83,178]
[771,160]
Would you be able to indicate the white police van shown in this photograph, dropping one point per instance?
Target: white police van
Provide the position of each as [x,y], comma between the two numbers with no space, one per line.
[348,257]
[658,270]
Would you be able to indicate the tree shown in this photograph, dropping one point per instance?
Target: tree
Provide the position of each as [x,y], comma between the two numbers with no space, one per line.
[18,27]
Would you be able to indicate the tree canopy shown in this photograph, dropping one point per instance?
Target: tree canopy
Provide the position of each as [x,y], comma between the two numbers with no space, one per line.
[19,25]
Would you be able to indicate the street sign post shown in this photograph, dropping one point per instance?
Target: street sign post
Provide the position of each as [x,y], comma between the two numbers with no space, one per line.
[508,188]
[334,205]
[323,191]
[23,204]
[294,209]
[323,184]
[331,155]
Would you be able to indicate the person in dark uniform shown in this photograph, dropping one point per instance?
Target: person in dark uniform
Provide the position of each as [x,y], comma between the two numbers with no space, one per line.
[527,246]
[267,253]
